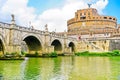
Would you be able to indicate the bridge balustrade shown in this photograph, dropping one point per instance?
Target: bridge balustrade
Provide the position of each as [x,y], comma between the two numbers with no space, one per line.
[53,34]
[56,35]
[71,38]
[4,25]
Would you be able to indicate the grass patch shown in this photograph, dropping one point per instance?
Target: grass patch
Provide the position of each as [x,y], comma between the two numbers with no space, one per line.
[87,53]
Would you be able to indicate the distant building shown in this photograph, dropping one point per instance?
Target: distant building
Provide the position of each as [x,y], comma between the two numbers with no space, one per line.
[87,23]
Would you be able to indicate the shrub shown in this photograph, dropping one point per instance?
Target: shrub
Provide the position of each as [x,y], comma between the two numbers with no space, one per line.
[116,52]
[23,52]
[30,55]
[36,53]
[53,54]
[7,53]
[14,54]
[82,53]
[86,53]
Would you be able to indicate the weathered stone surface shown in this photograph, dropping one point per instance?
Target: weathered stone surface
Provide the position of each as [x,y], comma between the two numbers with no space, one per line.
[114,45]
[15,38]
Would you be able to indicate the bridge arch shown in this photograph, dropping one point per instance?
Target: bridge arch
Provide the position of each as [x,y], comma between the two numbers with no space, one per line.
[2,45]
[33,43]
[57,45]
[72,45]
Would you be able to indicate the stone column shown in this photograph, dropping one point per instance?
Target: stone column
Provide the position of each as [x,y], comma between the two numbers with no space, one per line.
[65,50]
[14,41]
[46,46]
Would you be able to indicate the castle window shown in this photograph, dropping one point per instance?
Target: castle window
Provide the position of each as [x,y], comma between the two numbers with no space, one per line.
[83,17]
[113,18]
[110,18]
[105,17]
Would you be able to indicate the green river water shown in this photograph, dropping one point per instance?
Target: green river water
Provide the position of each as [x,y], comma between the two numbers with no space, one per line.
[61,68]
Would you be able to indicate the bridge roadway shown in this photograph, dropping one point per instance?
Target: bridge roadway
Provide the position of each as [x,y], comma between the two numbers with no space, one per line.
[14,38]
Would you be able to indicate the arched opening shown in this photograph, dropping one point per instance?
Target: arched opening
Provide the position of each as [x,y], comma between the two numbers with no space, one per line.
[1,47]
[57,45]
[33,44]
[71,44]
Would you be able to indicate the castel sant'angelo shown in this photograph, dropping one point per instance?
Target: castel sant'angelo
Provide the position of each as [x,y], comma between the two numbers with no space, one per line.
[88,25]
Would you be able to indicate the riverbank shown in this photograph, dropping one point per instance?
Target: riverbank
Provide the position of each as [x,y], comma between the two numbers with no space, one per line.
[87,53]
[12,56]
[52,54]
[15,58]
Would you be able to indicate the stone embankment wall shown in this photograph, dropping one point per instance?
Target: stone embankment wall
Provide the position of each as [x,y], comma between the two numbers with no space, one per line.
[114,45]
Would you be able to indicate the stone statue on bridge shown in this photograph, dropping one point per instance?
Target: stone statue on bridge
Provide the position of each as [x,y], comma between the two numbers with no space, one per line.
[31,26]
[13,17]
[46,27]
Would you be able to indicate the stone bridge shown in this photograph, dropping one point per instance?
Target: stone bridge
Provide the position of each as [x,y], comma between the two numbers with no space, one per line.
[14,38]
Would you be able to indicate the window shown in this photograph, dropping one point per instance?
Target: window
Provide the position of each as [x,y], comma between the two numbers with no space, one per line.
[105,17]
[82,17]
[110,18]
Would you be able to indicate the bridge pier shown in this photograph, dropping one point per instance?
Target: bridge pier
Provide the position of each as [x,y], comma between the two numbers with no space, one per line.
[48,49]
[13,49]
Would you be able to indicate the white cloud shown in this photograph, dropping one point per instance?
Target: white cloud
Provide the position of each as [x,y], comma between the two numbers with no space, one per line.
[19,8]
[100,5]
[55,18]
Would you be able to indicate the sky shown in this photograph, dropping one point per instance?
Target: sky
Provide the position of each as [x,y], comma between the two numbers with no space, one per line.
[54,13]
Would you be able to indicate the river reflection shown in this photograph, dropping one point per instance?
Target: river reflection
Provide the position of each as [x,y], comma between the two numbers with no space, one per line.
[62,68]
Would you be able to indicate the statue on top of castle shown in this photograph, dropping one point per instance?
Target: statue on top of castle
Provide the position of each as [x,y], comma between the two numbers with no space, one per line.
[89,5]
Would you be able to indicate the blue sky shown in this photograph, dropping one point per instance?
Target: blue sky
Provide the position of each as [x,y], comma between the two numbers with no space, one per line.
[42,5]
[55,13]
[113,9]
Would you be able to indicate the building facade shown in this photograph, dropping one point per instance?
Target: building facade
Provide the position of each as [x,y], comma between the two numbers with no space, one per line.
[89,25]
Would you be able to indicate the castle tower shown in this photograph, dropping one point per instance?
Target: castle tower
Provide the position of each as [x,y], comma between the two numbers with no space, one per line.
[89,21]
